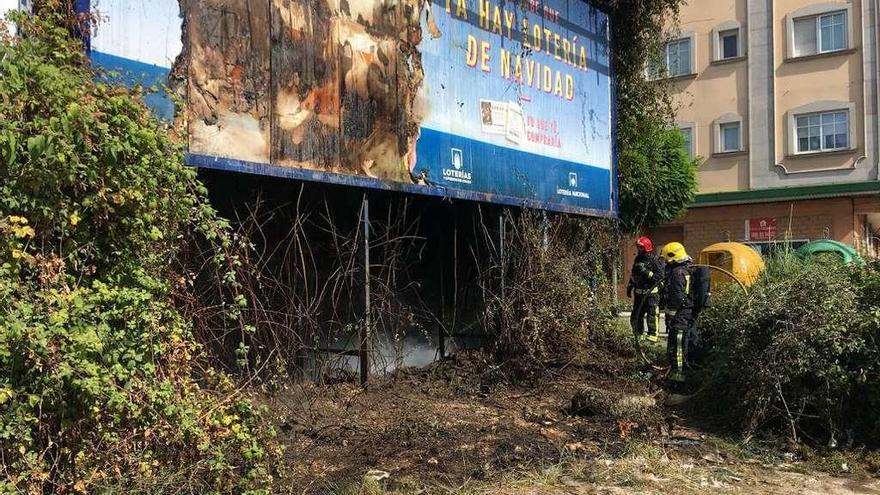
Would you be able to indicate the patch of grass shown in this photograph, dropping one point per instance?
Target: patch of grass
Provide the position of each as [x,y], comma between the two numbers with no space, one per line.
[616,337]
[366,487]
[741,451]
[639,466]
[860,463]
[834,463]
[409,487]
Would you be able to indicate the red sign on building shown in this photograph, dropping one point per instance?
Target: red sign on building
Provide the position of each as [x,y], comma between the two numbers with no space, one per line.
[761,229]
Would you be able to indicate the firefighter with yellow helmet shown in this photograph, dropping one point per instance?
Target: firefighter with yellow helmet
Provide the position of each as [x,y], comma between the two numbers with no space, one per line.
[679,306]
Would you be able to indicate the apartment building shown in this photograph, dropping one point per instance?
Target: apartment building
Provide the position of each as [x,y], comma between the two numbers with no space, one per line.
[778,99]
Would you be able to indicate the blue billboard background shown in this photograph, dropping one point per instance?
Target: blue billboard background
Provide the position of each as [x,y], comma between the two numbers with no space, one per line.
[565,155]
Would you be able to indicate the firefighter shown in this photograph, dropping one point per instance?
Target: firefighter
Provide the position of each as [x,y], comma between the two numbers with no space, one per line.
[647,271]
[679,304]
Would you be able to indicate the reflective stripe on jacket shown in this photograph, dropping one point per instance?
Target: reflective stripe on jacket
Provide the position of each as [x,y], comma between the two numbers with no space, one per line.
[678,287]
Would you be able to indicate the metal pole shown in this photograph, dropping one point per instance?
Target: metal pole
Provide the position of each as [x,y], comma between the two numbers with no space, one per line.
[501,250]
[452,320]
[364,349]
[614,281]
[444,310]
[455,276]
[545,232]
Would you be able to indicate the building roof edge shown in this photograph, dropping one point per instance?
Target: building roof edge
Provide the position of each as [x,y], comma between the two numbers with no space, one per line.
[773,195]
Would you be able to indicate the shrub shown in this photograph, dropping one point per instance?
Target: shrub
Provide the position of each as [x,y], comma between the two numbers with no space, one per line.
[798,354]
[863,410]
[101,387]
[97,390]
[555,293]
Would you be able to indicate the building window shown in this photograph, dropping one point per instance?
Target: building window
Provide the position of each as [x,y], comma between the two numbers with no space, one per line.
[821,126]
[826,131]
[728,44]
[727,41]
[730,137]
[823,33]
[832,32]
[678,57]
[688,134]
[729,134]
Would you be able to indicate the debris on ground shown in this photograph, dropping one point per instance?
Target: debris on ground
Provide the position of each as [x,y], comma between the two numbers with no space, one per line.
[577,431]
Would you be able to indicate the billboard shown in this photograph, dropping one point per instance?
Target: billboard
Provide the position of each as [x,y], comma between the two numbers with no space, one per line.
[490,100]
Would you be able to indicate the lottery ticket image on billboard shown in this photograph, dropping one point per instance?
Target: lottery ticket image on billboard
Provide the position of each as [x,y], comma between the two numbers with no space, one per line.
[494,116]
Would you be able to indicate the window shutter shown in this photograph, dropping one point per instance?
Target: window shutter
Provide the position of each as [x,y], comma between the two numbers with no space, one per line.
[805,37]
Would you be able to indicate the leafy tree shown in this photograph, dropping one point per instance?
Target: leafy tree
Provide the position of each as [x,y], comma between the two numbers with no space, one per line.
[657,179]
[101,386]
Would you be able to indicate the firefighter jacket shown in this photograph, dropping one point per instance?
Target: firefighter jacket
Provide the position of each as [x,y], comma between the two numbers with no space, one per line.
[678,286]
[647,270]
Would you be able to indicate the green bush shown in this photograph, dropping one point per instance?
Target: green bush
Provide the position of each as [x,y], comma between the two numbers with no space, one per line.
[798,354]
[101,384]
[864,407]
[97,391]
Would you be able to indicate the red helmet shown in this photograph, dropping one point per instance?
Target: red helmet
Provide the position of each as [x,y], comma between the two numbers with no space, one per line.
[645,243]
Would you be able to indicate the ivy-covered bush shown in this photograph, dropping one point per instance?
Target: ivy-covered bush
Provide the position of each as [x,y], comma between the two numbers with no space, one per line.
[798,355]
[101,384]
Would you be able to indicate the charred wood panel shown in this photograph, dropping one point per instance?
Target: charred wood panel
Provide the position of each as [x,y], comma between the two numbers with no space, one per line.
[367,36]
[328,85]
[305,75]
[229,79]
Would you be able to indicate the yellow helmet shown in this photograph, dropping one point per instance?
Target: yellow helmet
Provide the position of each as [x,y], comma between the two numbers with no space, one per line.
[674,252]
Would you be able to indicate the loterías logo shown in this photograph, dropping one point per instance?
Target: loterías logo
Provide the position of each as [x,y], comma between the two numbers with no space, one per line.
[457,160]
[458,172]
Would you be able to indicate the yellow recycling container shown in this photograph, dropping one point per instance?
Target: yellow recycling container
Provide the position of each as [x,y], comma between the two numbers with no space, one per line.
[741,261]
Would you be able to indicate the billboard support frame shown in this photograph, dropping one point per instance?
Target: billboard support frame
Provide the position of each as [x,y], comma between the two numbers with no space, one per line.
[365,331]
[318,176]
[615,147]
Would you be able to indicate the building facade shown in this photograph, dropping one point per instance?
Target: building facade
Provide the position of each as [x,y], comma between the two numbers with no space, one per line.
[778,100]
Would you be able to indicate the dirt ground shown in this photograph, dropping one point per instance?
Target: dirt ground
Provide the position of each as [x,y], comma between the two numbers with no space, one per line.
[449,430]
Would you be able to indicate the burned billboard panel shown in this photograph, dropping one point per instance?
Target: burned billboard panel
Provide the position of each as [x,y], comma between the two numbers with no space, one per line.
[492,100]
[228,79]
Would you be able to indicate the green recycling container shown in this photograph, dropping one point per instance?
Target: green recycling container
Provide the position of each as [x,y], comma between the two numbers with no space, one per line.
[846,253]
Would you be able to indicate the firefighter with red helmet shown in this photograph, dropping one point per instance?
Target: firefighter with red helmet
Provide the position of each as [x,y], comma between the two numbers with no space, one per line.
[647,272]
